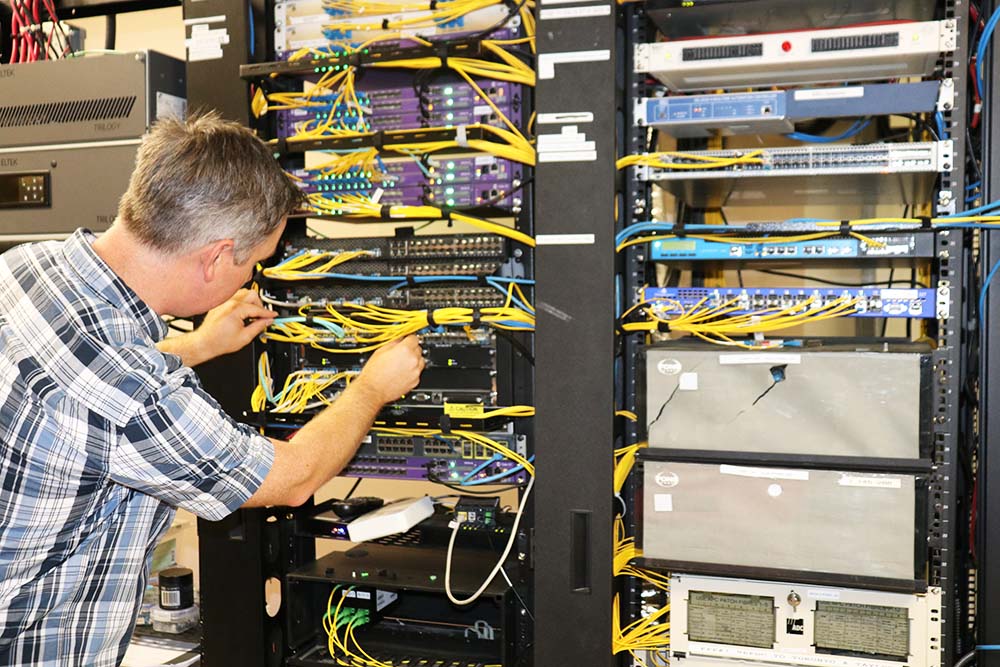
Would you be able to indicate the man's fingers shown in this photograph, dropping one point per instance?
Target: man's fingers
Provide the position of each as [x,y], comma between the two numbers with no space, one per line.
[249,296]
[255,329]
[247,311]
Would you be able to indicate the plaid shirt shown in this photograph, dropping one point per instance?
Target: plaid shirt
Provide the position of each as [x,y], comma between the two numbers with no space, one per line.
[101,435]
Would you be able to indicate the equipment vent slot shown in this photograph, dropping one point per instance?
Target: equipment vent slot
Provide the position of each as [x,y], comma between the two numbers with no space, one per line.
[76,111]
[721,52]
[881,40]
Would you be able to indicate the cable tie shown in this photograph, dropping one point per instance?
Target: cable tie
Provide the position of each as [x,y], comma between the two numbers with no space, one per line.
[845,227]
[432,5]
[477,317]
[411,281]
[431,322]
[385,24]
[663,327]
[445,424]
[925,221]
[309,320]
[679,229]
[354,60]
[441,51]
[461,136]
[483,281]
[378,140]
[385,211]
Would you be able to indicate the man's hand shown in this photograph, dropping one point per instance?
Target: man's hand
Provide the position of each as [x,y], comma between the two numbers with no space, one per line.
[223,331]
[392,370]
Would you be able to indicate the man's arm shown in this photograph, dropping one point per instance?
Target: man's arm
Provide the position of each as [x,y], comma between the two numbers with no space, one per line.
[224,330]
[321,449]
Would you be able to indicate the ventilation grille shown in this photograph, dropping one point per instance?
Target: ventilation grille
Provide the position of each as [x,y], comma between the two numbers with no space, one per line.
[77,111]
[721,52]
[880,41]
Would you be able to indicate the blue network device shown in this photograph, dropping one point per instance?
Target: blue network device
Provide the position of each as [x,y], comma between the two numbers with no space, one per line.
[776,112]
[916,303]
[893,246]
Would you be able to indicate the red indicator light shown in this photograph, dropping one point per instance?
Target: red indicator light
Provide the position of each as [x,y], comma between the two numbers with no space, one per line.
[786,46]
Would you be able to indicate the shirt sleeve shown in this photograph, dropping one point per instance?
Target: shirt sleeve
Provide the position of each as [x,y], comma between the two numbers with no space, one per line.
[183,449]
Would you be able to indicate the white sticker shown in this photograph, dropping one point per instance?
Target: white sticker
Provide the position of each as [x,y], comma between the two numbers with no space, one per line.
[760,358]
[547,61]
[565,239]
[900,294]
[688,382]
[830,93]
[823,595]
[574,12]
[482,110]
[206,43]
[774,490]
[482,160]
[663,502]
[170,106]
[765,473]
[874,482]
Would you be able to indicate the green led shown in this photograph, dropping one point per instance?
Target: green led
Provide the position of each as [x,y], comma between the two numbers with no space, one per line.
[450,177]
[450,165]
[449,191]
[451,202]
[449,102]
[450,116]
[449,90]
[317,70]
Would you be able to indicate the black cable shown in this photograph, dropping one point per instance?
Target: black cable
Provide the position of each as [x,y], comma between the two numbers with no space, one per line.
[513,589]
[966,659]
[499,24]
[885,320]
[663,407]
[832,283]
[111,28]
[518,346]
[354,488]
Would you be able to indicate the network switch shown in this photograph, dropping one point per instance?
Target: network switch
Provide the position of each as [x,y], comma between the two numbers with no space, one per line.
[777,111]
[904,246]
[916,303]
[861,53]
[840,175]
[720,622]
[803,524]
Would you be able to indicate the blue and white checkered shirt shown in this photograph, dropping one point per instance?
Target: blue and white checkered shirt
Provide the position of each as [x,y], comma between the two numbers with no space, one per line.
[101,435]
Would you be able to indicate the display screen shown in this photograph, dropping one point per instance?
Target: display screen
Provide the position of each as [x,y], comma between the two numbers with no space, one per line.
[25,190]
[725,618]
[865,629]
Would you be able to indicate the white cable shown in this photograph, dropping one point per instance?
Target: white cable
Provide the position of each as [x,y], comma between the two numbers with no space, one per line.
[503,556]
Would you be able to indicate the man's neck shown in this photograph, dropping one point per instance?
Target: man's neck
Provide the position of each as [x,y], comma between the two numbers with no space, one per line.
[147,272]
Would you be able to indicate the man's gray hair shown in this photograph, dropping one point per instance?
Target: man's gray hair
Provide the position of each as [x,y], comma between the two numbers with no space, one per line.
[205,179]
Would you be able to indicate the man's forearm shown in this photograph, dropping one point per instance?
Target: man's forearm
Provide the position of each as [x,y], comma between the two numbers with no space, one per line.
[329,441]
[189,347]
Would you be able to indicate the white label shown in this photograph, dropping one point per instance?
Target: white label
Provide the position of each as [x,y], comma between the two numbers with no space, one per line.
[219,18]
[663,502]
[765,473]
[206,43]
[565,117]
[899,294]
[547,61]
[170,598]
[871,482]
[747,653]
[170,106]
[688,382]
[574,12]
[360,595]
[668,479]
[668,367]
[774,490]
[830,93]
[564,239]
[568,156]
[481,110]
[823,595]
[761,358]
[481,160]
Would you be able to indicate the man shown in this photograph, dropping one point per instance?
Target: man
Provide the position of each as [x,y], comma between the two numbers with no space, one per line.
[104,428]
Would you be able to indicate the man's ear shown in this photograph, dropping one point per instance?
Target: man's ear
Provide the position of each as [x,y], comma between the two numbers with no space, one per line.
[211,256]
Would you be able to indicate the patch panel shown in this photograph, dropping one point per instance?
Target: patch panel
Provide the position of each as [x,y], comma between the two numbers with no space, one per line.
[858,53]
[887,247]
[417,298]
[452,194]
[777,111]
[916,303]
[293,120]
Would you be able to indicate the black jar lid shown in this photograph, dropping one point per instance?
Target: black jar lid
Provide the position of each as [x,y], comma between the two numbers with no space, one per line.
[176,577]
